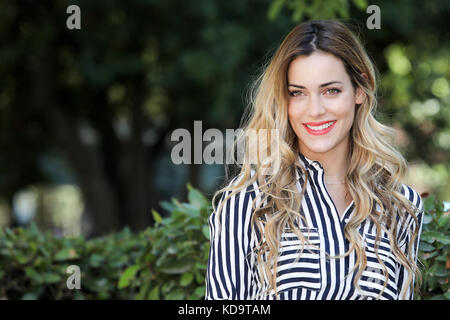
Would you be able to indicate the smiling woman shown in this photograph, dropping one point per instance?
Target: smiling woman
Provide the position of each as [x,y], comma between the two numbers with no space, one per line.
[318,98]
[333,219]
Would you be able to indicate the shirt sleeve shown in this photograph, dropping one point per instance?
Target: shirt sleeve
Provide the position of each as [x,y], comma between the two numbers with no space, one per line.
[231,261]
[404,237]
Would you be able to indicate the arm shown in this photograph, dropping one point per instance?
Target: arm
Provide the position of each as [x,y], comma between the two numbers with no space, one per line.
[230,264]
[404,239]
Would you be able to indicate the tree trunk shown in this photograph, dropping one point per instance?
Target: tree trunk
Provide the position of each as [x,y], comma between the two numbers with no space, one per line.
[99,197]
[137,215]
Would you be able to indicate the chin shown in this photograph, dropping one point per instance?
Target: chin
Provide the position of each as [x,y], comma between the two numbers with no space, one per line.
[318,148]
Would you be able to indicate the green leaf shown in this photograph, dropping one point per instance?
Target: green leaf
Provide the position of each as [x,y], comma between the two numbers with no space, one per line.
[196,198]
[101,283]
[274,9]
[201,266]
[200,278]
[186,279]
[191,210]
[177,294]
[51,277]
[431,236]
[427,255]
[426,247]
[95,260]
[440,206]
[22,259]
[427,218]
[143,291]
[438,297]
[127,276]
[66,254]
[29,296]
[441,271]
[157,216]
[33,274]
[44,251]
[167,286]
[428,203]
[442,258]
[360,4]
[444,222]
[300,9]
[167,206]
[9,233]
[175,267]
[78,296]
[205,231]
[200,291]
[154,294]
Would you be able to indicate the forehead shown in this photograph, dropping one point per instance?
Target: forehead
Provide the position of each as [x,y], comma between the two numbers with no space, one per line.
[317,68]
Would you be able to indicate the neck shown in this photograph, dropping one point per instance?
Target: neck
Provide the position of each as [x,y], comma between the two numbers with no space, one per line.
[335,162]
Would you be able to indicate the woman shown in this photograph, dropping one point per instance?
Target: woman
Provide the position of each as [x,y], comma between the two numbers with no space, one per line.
[332,219]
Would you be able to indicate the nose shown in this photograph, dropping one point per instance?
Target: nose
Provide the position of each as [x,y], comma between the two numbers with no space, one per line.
[315,106]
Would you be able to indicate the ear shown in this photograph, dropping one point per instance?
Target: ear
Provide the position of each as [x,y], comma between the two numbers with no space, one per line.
[360,95]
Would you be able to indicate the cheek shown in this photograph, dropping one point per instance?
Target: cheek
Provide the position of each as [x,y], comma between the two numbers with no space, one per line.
[294,112]
[343,108]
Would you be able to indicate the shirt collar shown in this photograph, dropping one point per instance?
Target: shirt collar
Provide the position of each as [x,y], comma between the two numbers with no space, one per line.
[312,166]
[309,164]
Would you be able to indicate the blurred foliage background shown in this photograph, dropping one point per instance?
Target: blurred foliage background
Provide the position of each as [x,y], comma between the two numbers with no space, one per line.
[86,115]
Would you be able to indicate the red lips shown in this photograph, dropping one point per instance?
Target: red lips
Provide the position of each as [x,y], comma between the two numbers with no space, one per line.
[318,123]
[319,132]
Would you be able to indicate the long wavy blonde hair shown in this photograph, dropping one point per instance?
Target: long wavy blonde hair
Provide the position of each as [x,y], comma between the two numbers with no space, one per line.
[376,167]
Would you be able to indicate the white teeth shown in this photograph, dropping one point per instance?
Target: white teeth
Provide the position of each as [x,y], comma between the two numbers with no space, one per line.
[321,127]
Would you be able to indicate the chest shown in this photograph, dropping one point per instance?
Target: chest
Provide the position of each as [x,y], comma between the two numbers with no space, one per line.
[340,197]
[312,270]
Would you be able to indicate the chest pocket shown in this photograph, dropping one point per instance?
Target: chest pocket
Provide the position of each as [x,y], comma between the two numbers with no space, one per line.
[374,277]
[297,268]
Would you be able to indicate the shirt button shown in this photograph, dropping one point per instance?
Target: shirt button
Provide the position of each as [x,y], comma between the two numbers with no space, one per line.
[346,220]
[317,165]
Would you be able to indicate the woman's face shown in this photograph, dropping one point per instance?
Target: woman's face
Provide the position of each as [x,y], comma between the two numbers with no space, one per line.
[321,104]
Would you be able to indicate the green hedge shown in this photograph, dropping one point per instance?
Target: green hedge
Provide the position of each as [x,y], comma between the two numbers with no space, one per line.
[166,261]
[434,251]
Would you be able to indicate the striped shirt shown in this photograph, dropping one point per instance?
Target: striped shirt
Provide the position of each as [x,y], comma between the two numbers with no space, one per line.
[232,271]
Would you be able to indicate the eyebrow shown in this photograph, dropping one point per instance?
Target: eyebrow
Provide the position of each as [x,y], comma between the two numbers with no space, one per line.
[321,86]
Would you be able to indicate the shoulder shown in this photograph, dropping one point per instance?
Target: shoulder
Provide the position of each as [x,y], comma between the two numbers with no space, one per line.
[413,196]
[238,195]
[233,214]
[240,187]
[413,221]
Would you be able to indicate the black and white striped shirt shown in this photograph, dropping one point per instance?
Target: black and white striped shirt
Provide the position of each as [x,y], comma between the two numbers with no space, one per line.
[232,272]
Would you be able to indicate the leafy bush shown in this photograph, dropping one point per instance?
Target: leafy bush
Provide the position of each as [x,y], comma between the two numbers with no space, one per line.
[174,265]
[166,261]
[33,265]
[434,251]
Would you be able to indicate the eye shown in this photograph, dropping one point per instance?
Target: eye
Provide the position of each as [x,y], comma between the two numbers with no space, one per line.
[295,93]
[333,91]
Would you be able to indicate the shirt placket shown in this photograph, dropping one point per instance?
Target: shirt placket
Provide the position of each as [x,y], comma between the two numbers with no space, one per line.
[337,237]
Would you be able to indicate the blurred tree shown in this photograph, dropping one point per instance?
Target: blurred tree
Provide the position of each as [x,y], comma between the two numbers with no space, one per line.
[107,97]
